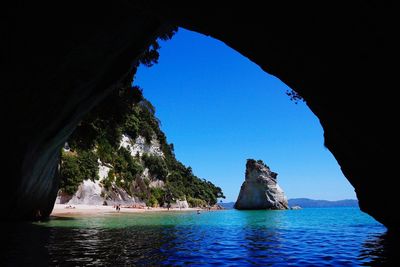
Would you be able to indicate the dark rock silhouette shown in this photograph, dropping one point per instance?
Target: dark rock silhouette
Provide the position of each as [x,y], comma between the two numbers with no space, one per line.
[59,60]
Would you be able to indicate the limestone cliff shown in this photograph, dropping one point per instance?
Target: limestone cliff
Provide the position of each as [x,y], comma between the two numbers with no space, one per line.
[119,155]
[260,189]
[100,191]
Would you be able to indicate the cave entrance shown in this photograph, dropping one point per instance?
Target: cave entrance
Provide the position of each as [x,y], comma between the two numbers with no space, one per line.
[219,108]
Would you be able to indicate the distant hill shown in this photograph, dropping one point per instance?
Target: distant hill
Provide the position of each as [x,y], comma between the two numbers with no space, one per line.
[310,203]
[227,205]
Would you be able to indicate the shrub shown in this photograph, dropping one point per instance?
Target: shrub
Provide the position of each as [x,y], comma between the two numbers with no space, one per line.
[152,202]
[107,182]
[131,126]
[88,165]
[132,165]
[156,166]
[70,172]
[105,151]
[158,194]
[196,202]
[146,131]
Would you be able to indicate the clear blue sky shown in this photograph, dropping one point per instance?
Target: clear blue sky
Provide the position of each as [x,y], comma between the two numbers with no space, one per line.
[218,109]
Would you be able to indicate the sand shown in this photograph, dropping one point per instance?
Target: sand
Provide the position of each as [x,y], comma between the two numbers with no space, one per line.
[62,210]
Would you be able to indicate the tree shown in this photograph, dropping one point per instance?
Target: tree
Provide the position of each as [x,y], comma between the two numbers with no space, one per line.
[294,96]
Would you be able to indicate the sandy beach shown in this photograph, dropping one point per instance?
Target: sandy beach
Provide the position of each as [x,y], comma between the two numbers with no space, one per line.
[62,210]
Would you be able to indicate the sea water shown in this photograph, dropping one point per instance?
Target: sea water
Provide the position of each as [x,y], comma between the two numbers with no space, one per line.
[306,237]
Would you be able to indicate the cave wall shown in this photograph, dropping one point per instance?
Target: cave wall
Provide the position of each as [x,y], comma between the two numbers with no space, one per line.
[62,59]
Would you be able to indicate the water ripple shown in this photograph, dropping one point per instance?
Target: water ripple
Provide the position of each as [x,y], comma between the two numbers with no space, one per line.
[322,237]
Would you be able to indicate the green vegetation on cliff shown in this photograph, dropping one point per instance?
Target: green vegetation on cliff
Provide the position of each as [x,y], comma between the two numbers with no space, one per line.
[76,168]
[98,136]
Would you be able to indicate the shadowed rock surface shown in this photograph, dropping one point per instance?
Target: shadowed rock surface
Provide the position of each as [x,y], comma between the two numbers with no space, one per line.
[260,190]
[59,60]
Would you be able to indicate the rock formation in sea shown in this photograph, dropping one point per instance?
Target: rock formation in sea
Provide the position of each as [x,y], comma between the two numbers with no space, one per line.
[260,189]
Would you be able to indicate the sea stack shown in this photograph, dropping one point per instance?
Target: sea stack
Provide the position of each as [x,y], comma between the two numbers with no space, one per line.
[260,189]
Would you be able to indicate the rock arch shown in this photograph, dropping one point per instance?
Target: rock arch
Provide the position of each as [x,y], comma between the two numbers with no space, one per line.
[61,59]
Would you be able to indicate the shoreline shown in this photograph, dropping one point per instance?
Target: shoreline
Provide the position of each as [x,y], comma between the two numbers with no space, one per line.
[62,210]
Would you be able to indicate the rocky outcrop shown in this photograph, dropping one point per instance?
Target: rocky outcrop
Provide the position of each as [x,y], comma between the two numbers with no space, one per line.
[179,204]
[140,146]
[93,192]
[260,189]
[58,67]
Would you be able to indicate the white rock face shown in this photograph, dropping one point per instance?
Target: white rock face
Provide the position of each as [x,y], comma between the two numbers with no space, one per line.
[103,170]
[140,146]
[92,192]
[260,189]
[180,204]
[88,193]
[156,184]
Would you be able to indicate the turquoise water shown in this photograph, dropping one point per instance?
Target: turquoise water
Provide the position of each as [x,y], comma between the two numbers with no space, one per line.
[308,237]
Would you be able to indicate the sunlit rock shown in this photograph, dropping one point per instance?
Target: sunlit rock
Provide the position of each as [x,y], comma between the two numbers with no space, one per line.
[260,190]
